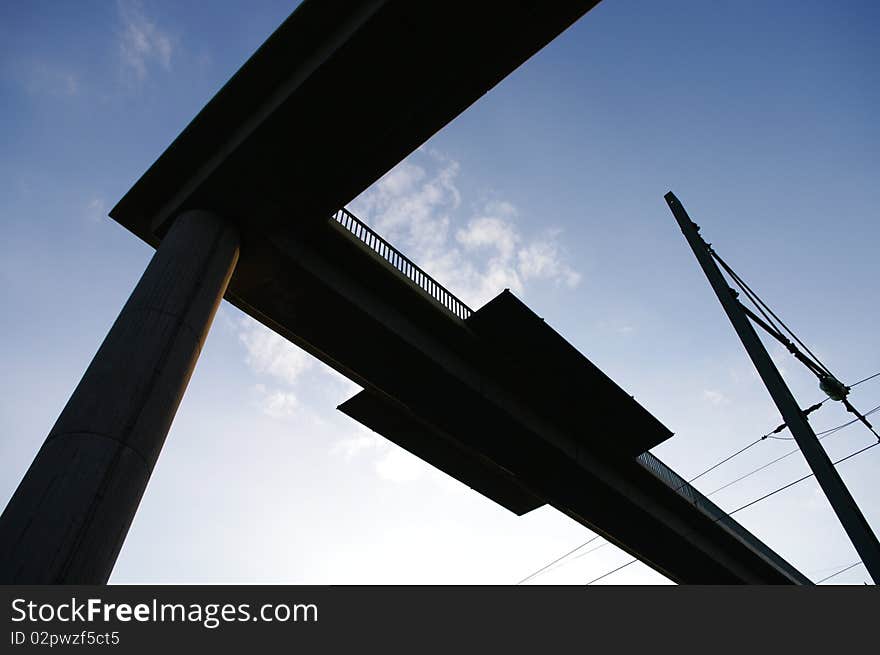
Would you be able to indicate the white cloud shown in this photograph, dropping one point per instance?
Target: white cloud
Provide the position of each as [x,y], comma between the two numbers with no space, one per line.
[617,326]
[400,180]
[275,403]
[141,42]
[45,78]
[96,209]
[268,353]
[542,260]
[715,397]
[417,207]
[781,357]
[489,232]
[351,447]
[398,465]
[282,366]
[388,460]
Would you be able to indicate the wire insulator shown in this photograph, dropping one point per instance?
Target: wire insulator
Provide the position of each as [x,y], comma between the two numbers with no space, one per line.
[835,389]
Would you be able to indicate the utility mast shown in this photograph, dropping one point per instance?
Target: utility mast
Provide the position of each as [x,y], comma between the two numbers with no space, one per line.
[857,528]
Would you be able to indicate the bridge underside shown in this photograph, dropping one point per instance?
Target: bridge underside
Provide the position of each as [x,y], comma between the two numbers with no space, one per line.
[463,397]
[336,97]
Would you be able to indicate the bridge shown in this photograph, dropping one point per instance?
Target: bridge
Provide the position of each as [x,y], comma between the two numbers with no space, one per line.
[247,205]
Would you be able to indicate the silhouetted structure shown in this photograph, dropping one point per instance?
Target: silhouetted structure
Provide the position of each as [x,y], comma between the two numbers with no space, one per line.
[494,397]
[857,527]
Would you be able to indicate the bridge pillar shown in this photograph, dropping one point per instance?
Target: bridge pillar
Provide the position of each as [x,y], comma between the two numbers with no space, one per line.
[67,520]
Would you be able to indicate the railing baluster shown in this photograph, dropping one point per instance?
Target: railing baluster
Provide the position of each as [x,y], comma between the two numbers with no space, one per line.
[402,263]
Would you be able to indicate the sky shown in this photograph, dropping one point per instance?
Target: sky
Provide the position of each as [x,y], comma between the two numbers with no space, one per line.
[760,116]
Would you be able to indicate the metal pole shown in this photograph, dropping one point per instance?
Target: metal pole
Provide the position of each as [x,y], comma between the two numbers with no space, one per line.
[838,495]
[69,516]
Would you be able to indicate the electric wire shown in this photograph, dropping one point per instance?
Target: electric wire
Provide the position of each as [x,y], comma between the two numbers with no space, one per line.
[558,559]
[820,435]
[727,514]
[806,477]
[870,377]
[767,323]
[579,555]
[727,459]
[769,435]
[843,570]
[560,564]
[602,545]
[605,575]
[760,303]
[830,431]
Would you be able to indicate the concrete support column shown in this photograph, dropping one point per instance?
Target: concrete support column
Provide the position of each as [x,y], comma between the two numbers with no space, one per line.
[69,516]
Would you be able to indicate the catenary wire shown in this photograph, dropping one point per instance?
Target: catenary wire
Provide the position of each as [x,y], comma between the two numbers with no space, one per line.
[843,570]
[727,514]
[807,476]
[558,559]
[767,323]
[820,435]
[605,575]
[759,303]
[769,435]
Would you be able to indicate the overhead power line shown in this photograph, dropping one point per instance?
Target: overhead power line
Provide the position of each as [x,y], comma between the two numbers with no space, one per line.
[727,459]
[602,545]
[806,477]
[605,575]
[828,382]
[782,427]
[731,513]
[757,500]
[870,377]
[813,364]
[821,435]
[744,323]
[843,570]
[558,559]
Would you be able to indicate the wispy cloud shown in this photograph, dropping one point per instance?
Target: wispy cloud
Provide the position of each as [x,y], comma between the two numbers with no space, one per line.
[95,210]
[141,42]
[40,77]
[417,205]
[276,403]
[477,254]
[283,370]
[620,326]
[397,465]
[715,397]
[354,445]
[389,461]
[268,353]
[543,260]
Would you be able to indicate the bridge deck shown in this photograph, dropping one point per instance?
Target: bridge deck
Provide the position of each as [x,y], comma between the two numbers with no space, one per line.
[434,384]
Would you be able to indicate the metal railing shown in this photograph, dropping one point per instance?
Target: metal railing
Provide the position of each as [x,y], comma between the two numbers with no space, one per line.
[681,486]
[402,263]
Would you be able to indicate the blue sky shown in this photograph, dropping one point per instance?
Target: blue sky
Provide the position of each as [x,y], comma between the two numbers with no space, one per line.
[761,116]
